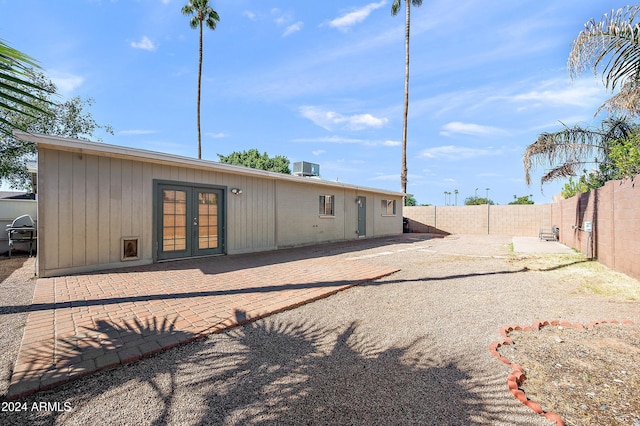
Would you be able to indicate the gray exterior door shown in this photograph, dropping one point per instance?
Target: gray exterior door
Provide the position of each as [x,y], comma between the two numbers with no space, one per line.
[362,217]
[189,221]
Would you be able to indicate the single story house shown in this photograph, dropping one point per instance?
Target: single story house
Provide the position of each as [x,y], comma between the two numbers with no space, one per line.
[104,206]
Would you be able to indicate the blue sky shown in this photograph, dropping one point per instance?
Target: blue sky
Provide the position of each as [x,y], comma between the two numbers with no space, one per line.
[324,82]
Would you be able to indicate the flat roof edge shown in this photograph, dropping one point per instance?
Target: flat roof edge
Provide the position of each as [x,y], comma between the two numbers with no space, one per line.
[100,148]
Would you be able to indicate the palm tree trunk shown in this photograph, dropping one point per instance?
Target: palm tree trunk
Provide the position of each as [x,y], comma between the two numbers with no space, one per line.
[403,174]
[199,85]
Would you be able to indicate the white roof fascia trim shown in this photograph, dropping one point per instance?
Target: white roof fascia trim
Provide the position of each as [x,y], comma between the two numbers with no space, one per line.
[88,147]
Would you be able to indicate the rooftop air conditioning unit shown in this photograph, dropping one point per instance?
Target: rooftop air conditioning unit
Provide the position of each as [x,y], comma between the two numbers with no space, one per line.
[302,168]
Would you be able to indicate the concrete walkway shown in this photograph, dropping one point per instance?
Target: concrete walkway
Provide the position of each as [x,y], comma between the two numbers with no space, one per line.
[81,324]
[536,245]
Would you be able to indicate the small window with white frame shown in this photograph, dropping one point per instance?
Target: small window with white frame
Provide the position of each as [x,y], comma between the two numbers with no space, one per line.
[327,204]
[388,207]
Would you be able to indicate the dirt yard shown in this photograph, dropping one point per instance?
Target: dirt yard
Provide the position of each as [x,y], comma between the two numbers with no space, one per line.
[410,348]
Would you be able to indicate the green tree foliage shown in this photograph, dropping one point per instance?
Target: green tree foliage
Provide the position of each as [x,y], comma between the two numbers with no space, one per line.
[19,96]
[68,119]
[252,158]
[525,199]
[625,155]
[201,13]
[574,187]
[410,200]
[476,201]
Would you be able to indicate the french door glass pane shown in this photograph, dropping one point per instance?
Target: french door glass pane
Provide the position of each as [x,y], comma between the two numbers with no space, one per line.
[174,220]
[207,220]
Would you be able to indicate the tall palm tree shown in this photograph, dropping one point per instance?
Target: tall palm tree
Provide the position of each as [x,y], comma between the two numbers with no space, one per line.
[202,14]
[612,46]
[570,150]
[395,8]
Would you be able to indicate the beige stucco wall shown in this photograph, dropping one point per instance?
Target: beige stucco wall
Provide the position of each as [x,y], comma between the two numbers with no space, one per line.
[88,202]
[299,222]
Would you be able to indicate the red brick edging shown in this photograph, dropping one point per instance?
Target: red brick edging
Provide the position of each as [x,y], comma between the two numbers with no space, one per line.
[518,376]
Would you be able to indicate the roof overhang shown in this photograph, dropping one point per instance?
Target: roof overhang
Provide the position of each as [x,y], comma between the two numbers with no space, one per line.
[122,152]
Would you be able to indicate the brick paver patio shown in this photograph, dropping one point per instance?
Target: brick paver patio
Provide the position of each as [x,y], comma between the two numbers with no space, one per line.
[81,324]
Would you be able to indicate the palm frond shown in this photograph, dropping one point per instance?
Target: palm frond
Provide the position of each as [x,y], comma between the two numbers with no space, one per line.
[395,7]
[613,44]
[563,150]
[12,59]
[563,171]
[15,94]
[626,101]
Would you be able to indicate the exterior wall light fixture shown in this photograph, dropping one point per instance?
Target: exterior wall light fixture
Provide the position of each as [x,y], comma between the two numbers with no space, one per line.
[236,191]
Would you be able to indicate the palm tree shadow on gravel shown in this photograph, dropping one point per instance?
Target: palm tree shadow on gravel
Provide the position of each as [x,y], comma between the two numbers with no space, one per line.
[311,375]
[276,372]
[106,337]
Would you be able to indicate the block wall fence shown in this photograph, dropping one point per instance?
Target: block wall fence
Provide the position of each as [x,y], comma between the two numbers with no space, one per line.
[520,220]
[613,210]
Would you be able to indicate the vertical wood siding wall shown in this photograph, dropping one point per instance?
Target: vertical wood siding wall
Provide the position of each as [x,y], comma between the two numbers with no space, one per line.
[87,203]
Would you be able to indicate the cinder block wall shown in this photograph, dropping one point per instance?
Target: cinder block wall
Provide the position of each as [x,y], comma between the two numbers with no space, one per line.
[520,220]
[614,211]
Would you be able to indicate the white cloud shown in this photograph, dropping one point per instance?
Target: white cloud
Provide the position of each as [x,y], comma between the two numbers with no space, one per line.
[342,140]
[452,152]
[395,177]
[361,121]
[145,44]
[280,17]
[344,22]
[318,152]
[294,28]
[560,92]
[65,82]
[218,135]
[387,177]
[331,139]
[470,129]
[136,132]
[329,119]
[250,15]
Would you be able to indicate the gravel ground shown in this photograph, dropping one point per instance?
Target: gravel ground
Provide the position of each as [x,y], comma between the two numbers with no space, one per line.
[411,348]
[16,293]
[586,376]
